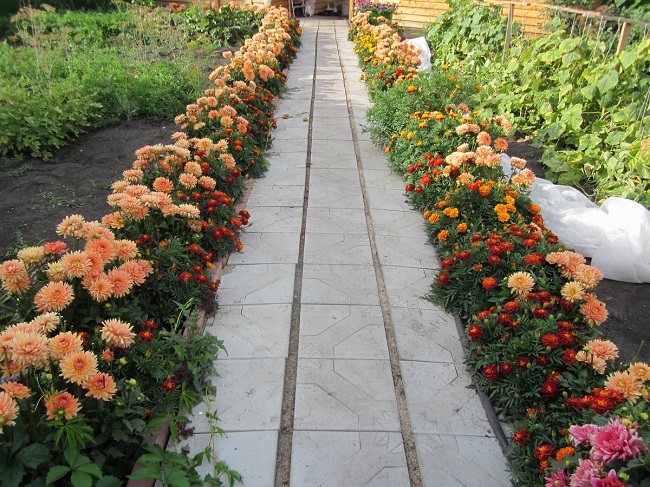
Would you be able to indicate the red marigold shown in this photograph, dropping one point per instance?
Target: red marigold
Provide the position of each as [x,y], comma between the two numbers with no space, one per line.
[529,243]
[543,452]
[569,356]
[564,325]
[550,340]
[463,255]
[168,385]
[184,277]
[506,247]
[489,283]
[511,307]
[522,362]
[534,259]
[194,249]
[540,313]
[447,263]
[578,403]
[493,260]
[567,338]
[443,279]
[549,389]
[145,336]
[475,332]
[484,315]
[409,187]
[491,372]
[541,360]
[505,319]
[521,437]
[506,368]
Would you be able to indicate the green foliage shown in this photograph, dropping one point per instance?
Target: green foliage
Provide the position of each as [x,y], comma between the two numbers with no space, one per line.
[468,31]
[585,108]
[226,26]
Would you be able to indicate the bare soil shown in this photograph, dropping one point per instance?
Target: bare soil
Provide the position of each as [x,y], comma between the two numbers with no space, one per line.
[38,194]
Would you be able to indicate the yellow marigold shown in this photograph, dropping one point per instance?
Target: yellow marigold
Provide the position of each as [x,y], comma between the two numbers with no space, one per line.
[451,212]
[117,334]
[503,216]
[78,367]
[443,235]
[462,227]
[434,217]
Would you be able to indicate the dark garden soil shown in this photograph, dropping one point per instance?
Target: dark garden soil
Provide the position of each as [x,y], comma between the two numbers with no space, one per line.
[37,195]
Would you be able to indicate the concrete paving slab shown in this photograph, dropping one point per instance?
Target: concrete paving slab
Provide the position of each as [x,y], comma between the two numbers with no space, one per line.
[325,177]
[342,332]
[406,251]
[277,195]
[337,248]
[461,461]
[267,248]
[253,331]
[398,223]
[335,197]
[274,219]
[426,335]
[250,453]
[339,284]
[257,284]
[328,160]
[336,220]
[346,458]
[345,395]
[407,286]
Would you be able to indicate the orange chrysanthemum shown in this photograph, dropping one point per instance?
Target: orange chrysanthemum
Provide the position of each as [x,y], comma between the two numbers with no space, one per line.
[8,410]
[64,344]
[104,247]
[101,386]
[125,250]
[16,390]
[593,310]
[78,367]
[46,322]
[54,296]
[117,333]
[120,281]
[521,282]
[99,288]
[70,225]
[62,405]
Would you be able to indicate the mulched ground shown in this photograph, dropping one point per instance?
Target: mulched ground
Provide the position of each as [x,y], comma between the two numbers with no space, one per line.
[36,195]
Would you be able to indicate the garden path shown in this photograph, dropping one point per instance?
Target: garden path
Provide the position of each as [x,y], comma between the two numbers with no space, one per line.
[338,371]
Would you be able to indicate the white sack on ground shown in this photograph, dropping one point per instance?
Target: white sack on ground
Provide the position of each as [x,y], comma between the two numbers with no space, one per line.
[425,53]
[615,235]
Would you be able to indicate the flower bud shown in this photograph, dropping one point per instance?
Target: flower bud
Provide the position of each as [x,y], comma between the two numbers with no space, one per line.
[132,382]
[122,361]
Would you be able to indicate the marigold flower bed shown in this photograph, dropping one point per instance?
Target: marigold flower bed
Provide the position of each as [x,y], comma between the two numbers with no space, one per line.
[526,302]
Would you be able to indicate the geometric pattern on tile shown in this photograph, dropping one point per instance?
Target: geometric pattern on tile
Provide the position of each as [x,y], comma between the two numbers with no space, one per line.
[398,223]
[350,459]
[334,177]
[342,331]
[337,248]
[461,461]
[406,251]
[440,401]
[277,195]
[427,335]
[339,284]
[252,331]
[335,197]
[275,218]
[407,286]
[354,395]
[336,220]
[249,394]
[267,248]
[257,284]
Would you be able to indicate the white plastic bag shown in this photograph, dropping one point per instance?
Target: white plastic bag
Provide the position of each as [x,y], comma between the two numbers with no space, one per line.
[425,53]
[616,235]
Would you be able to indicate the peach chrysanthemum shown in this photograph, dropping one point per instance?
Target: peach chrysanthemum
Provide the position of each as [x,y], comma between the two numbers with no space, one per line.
[78,367]
[55,272]
[521,282]
[16,390]
[626,384]
[572,291]
[70,225]
[121,282]
[640,370]
[501,144]
[187,180]
[12,270]
[602,348]
[133,175]
[188,211]
[61,405]
[163,185]
[125,249]
[104,247]
[518,162]
[588,275]
[31,255]
[136,270]
[46,323]
[76,264]
[64,344]
[56,247]
[483,138]
[8,410]
[99,288]
[117,334]
[228,160]
[54,296]
[207,182]
[120,185]
[113,220]
[29,349]
[205,145]
[593,310]
[193,168]
[101,386]
[597,363]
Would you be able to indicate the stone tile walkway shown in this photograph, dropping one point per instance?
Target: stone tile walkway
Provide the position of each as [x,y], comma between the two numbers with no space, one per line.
[339,372]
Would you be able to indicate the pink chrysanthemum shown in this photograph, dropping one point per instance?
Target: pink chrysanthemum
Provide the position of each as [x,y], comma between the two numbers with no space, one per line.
[616,442]
[581,434]
[557,479]
[586,471]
